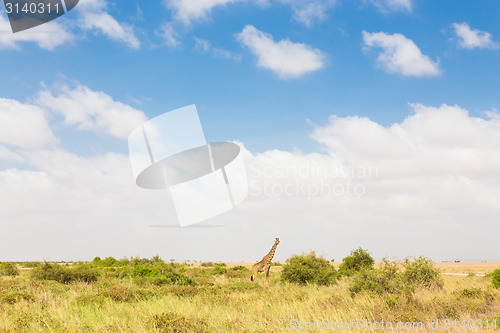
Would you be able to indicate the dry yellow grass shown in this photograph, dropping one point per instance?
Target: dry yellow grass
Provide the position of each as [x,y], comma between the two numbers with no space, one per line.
[234,304]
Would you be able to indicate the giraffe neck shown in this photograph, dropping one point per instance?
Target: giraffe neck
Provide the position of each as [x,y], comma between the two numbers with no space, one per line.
[270,255]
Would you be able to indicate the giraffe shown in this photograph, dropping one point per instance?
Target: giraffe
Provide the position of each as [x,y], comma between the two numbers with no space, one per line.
[265,264]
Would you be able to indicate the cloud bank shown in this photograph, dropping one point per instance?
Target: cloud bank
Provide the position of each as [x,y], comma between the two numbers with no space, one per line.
[432,176]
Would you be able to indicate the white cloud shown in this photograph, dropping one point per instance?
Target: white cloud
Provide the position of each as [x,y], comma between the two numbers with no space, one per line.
[23,125]
[93,16]
[188,11]
[91,110]
[400,55]
[204,46]
[386,6]
[48,36]
[285,58]
[109,26]
[471,39]
[170,35]
[309,11]
[432,177]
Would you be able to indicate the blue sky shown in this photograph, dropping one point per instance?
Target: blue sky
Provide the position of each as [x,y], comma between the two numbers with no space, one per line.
[350,81]
[288,79]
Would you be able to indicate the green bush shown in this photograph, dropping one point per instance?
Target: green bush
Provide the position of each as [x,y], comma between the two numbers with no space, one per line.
[421,272]
[358,260]
[219,269]
[238,272]
[240,268]
[82,272]
[307,268]
[106,262]
[144,271]
[30,264]
[14,296]
[207,264]
[496,278]
[48,271]
[384,280]
[8,269]
[179,279]
[387,279]
[85,272]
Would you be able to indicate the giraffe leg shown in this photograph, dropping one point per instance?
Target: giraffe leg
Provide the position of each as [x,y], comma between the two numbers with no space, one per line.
[255,271]
[268,268]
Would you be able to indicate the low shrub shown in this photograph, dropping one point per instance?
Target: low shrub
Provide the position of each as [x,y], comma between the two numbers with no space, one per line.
[30,264]
[307,268]
[110,262]
[219,269]
[180,279]
[388,279]
[240,268]
[170,278]
[14,296]
[207,264]
[421,272]
[8,269]
[384,280]
[85,272]
[469,293]
[495,278]
[238,272]
[141,270]
[48,271]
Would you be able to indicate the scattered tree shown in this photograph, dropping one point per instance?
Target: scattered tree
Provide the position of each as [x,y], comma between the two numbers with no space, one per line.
[358,260]
[307,268]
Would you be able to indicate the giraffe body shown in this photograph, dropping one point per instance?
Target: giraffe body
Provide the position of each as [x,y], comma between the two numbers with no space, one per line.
[265,264]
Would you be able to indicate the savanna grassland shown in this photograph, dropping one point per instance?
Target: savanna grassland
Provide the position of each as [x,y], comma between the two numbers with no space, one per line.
[150,295]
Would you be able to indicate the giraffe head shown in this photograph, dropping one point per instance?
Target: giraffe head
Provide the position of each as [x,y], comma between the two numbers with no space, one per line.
[276,241]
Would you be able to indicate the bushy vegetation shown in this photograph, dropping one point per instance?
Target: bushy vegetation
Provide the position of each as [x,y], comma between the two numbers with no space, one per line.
[308,268]
[421,272]
[142,270]
[207,264]
[8,269]
[359,259]
[385,279]
[63,274]
[138,294]
[30,264]
[495,280]
[390,279]
[55,272]
[219,269]
[84,272]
